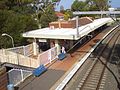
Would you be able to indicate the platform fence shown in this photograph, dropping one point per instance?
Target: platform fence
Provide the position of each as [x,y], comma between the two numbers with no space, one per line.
[24,50]
[44,58]
[15,76]
[47,56]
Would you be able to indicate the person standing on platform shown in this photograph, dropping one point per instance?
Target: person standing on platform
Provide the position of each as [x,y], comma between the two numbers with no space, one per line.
[63,50]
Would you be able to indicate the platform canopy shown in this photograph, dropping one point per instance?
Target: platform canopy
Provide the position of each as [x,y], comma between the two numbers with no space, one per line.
[67,33]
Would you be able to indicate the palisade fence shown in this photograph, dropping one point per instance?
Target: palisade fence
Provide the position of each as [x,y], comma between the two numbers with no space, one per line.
[19,59]
[15,76]
[48,56]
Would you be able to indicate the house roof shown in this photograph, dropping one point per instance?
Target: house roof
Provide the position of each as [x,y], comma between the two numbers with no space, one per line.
[59,14]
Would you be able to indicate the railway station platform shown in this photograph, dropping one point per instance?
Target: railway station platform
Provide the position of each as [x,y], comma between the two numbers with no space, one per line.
[58,69]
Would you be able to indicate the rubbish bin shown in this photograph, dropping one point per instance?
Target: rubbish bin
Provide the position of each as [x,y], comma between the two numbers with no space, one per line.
[10,87]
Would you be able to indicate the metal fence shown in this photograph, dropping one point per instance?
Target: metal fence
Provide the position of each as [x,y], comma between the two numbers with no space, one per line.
[18,59]
[24,50]
[15,76]
[47,56]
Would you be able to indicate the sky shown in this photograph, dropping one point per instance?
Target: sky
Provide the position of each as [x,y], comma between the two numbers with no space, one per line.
[115,3]
[67,4]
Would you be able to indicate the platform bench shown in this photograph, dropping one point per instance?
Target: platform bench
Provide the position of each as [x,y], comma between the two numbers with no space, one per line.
[61,56]
[38,71]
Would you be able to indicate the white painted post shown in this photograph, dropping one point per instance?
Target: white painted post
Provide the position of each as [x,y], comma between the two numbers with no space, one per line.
[49,55]
[58,46]
[22,74]
[24,50]
[34,47]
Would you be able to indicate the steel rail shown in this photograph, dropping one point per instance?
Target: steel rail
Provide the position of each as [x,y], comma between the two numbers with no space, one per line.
[96,65]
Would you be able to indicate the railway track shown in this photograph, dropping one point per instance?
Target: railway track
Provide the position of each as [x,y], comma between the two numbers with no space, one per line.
[94,77]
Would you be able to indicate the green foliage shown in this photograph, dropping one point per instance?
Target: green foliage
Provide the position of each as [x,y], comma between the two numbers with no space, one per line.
[68,14]
[23,10]
[3,4]
[90,5]
[55,0]
[79,6]
[47,16]
[15,24]
[16,17]
[101,4]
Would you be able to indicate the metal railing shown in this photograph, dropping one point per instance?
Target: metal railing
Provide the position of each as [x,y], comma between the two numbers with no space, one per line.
[15,76]
[24,50]
[48,56]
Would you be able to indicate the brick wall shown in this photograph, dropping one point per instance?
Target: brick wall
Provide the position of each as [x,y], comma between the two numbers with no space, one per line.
[71,23]
[3,79]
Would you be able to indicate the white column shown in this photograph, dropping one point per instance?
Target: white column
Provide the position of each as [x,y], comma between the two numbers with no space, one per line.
[58,46]
[35,47]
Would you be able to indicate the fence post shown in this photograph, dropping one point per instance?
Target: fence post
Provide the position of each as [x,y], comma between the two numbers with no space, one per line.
[22,74]
[17,58]
[24,52]
[50,55]
[2,55]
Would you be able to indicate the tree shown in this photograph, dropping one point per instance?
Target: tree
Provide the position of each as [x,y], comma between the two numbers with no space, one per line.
[16,17]
[15,25]
[90,5]
[47,16]
[3,5]
[79,6]
[68,14]
[100,4]
[27,10]
[45,12]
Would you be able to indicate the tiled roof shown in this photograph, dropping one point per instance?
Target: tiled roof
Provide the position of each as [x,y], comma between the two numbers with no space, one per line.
[59,14]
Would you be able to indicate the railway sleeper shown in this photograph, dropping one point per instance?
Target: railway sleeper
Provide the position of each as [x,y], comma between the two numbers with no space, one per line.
[101,87]
[91,85]
[89,88]
[80,84]
[103,79]
[77,88]
[92,81]
[95,75]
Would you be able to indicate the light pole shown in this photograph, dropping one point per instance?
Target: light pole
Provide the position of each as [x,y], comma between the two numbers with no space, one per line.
[5,34]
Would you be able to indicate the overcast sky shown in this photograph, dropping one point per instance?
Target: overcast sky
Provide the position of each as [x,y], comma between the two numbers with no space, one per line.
[67,4]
